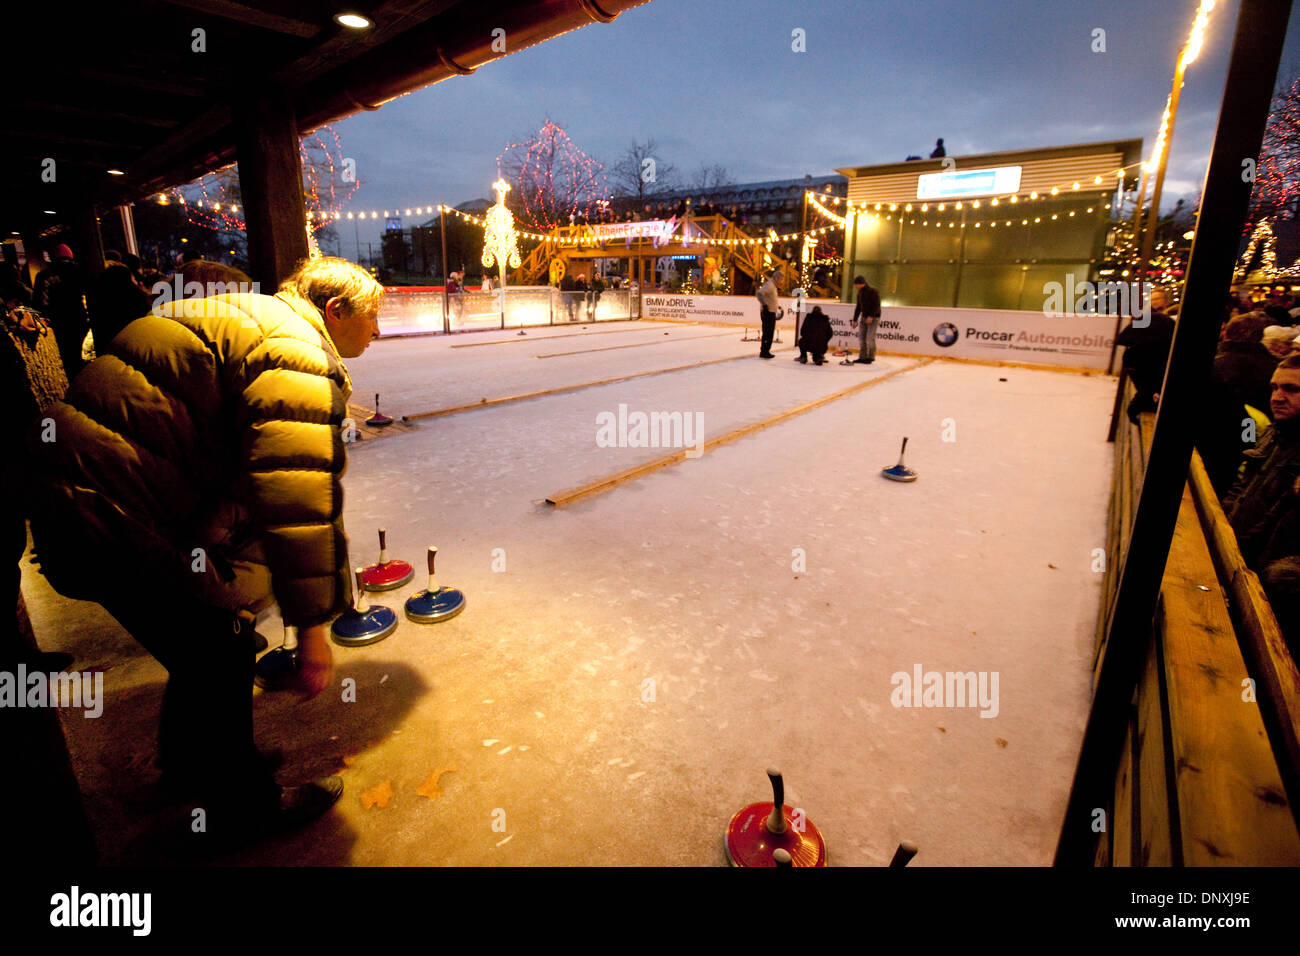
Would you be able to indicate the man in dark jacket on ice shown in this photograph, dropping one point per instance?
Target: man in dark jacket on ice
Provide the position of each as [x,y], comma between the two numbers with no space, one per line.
[814,336]
[868,310]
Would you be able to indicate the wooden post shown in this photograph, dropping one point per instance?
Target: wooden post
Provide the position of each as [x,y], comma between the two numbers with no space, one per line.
[961,256]
[446,303]
[128,228]
[1137,209]
[270,181]
[86,229]
[1248,90]
[1118,408]
[803,215]
[850,252]
[1153,214]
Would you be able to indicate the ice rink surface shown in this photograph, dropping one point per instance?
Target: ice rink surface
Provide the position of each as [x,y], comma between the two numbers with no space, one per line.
[628,665]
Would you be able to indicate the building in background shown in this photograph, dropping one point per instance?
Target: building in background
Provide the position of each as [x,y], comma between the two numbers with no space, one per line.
[985,231]
[416,251]
[774,204]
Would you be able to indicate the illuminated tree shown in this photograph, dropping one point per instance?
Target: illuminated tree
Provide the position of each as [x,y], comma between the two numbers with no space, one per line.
[1277,177]
[552,178]
[328,182]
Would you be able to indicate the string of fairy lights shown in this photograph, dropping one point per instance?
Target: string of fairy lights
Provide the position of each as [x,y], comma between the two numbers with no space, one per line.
[1191,50]
[328,185]
[326,209]
[880,211]
[591,237]
[887,212]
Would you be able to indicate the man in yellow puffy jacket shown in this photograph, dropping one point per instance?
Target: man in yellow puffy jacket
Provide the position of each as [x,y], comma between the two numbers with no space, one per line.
[191,477]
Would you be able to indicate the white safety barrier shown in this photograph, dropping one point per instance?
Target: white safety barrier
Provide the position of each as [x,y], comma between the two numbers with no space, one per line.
[1070,341]
[419,311]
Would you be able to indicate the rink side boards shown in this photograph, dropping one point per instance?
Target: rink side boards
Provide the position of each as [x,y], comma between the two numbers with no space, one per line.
[1199,780]
[1029,338]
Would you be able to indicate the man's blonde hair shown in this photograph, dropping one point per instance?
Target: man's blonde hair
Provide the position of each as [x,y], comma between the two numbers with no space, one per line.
[326,277]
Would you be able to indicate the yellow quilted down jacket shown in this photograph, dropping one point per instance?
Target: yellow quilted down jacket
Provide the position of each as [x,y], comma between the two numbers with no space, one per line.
[205,444]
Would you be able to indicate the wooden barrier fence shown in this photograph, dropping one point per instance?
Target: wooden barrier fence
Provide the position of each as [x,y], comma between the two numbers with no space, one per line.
[1208,774]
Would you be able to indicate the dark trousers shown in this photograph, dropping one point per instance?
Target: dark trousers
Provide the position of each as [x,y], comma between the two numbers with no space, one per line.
[31,740]
[15,538]
[768,318]
[205,735]
[818,354]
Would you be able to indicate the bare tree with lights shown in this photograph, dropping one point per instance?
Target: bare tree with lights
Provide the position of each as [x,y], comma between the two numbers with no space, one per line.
[640,174]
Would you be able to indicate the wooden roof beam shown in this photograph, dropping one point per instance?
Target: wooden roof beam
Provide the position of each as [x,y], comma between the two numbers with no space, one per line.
[144,81]
[252,16]
[40,106]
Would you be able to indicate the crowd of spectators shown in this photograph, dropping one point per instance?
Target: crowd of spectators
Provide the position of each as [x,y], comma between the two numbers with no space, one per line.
[662,210]
[51,329]
[144,461]
[1248,428]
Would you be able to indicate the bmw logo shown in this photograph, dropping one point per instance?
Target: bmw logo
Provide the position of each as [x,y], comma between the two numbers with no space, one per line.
[945,334]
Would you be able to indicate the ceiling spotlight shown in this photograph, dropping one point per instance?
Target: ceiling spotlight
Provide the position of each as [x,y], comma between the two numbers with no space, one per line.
[116,172]
[353,20]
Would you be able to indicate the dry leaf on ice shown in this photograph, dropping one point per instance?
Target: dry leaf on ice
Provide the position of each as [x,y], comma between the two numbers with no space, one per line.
[377,796]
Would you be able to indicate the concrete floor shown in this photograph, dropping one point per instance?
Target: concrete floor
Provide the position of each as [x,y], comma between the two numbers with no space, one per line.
[614,694]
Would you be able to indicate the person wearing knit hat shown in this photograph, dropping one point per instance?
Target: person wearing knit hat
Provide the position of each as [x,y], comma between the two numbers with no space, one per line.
[1278,338]
[59,295]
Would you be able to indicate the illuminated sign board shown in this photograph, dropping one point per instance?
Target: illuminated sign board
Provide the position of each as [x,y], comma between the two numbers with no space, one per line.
[654,228]
[958,184]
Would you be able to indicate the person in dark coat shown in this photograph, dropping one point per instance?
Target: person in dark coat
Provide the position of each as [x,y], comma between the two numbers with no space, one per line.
[1264,505]
[58,296]
[814,336]
[568,293]
[868,310]
[1146,353]
[1241,375]
[597,290]
[114,299]
[1243,364]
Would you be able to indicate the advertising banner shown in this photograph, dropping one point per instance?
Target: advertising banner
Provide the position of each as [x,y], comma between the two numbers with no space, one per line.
[1062,341]
[1066,341]
[730,309]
